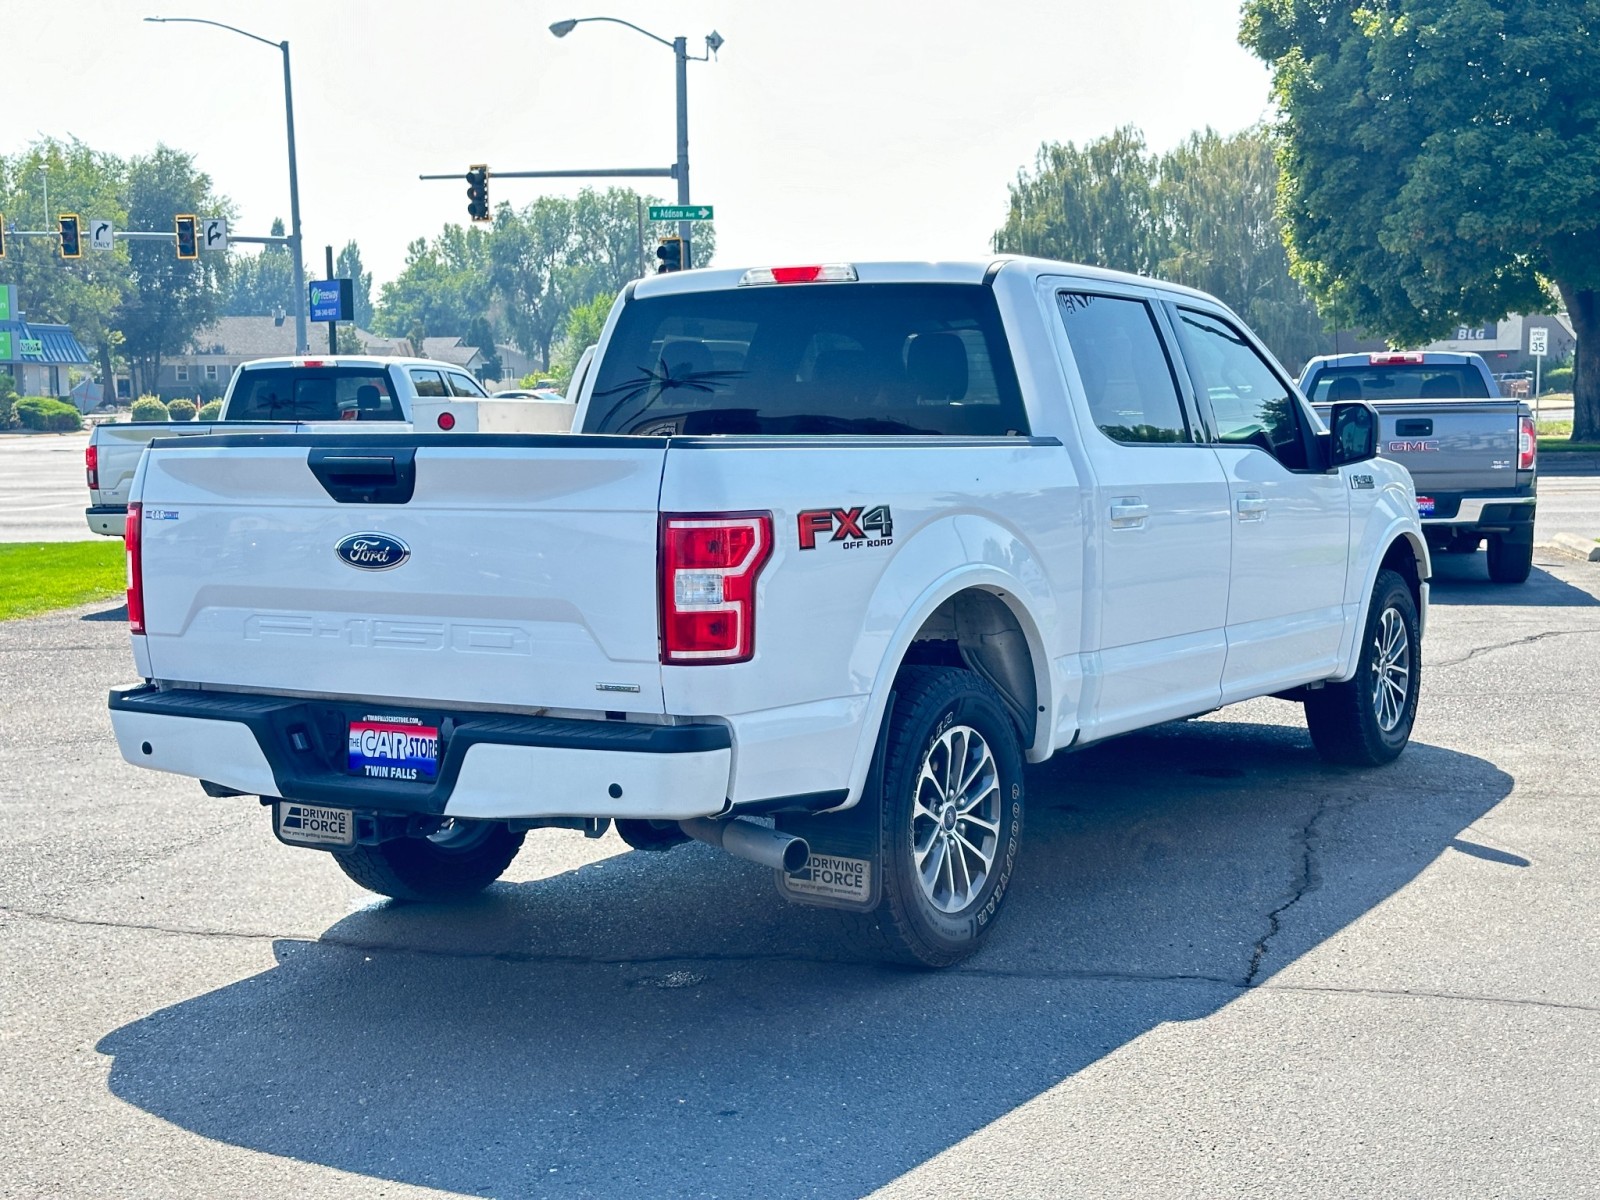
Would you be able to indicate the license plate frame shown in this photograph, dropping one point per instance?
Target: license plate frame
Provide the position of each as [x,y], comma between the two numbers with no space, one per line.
[316,825]
[391,748]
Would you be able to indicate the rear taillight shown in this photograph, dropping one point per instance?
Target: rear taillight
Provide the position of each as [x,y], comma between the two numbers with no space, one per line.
[132,546]
[709,563]
[1527,444]
[91,466]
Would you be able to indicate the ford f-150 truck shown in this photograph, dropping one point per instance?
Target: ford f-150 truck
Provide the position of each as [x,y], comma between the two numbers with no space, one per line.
[278,394]
[1472,454]
[835,549]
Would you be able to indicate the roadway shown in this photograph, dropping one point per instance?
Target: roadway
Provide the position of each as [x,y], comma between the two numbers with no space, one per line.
[1226,969]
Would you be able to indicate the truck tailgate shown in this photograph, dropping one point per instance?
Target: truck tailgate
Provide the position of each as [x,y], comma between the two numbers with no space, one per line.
[522,568]
[1452,445]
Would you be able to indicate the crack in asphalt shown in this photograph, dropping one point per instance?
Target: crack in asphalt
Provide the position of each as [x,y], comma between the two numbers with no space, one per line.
[996,973]
[1307,880]
[1522,641]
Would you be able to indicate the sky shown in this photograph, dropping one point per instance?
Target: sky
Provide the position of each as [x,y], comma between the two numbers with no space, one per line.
[822,131]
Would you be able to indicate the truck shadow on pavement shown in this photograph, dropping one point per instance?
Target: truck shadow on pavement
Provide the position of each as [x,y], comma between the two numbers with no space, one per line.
[663,1025]
[1461,579]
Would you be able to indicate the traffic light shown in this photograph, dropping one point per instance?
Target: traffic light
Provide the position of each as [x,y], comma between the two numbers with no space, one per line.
[478,192]
[70,245]
[187,228]
[670,252]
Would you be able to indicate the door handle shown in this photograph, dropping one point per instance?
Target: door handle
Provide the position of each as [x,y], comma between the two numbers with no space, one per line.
[1129,513]
[1251,506]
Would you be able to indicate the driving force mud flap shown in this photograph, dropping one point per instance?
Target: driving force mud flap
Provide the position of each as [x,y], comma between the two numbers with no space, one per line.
[845,867]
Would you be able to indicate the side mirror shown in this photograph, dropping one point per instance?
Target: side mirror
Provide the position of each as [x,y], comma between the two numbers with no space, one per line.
[1353,426]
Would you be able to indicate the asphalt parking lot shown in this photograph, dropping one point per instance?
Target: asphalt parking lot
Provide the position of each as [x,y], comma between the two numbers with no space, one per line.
[1226,969]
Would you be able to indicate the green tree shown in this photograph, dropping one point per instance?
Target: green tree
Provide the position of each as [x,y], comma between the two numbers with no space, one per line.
[1094,205]
[1216,203]
[169,298]
[1441,162]
[348,266]
[259,285]
[581,330]
[1203,214]
[84,293]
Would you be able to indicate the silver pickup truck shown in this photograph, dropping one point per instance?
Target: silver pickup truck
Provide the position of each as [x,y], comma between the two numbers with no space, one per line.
[1472,453]
[275,395]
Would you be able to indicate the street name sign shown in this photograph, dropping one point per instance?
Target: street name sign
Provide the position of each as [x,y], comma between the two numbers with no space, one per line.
[1538,342]
[680,212]
[100,235]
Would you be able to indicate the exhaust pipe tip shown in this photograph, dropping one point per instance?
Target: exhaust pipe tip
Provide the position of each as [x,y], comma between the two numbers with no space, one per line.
[744,838]
[796,855]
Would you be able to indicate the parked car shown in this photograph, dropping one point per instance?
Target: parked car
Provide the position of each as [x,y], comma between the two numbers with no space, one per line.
[1472,453]
[812,594]
[547,394]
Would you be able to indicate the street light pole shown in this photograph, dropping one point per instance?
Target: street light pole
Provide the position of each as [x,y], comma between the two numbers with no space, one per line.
[301,345]
[680,50]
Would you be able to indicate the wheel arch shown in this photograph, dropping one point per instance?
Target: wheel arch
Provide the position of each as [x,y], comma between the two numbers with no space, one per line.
[1405,553]
[985,614]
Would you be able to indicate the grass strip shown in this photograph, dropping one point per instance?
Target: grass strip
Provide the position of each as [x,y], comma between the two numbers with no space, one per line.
[36,577]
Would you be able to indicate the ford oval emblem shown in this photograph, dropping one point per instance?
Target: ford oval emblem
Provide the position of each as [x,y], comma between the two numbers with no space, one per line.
[372,551]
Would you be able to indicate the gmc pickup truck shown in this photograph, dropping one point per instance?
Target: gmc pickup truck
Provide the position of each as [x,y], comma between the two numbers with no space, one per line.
[835,550]
[1472,454]
[284,395]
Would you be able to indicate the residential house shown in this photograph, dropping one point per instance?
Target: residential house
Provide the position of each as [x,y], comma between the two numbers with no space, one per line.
[452,350]
[205,368]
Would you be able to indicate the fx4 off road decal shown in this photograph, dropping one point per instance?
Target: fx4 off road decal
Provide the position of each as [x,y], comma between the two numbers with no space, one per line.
[852,528]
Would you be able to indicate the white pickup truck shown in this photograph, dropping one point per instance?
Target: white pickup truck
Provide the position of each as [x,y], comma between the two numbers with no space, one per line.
[835,550]
[281,395]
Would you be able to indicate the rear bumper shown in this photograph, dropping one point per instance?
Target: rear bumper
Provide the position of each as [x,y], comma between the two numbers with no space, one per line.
[491,766]
[1486,512]
[108,520]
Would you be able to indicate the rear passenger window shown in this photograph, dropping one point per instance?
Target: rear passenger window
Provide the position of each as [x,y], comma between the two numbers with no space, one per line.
[460,385]
[429,384]
[1127,379]
[1252,406]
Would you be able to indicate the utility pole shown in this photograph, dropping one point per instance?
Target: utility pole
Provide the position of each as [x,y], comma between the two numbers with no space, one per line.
[333,326]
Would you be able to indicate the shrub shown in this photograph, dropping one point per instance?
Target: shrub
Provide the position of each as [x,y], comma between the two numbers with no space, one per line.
[180,410]
[8,401]
[211,410]
[44,414]
[148,408]
[1557,379]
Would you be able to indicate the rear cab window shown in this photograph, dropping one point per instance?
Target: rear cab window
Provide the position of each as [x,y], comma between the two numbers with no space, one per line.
[313,394]
[847,358]
[1398,381]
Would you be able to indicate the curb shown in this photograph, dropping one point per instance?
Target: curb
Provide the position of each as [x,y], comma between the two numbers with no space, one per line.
[1563,462]
[1570,545]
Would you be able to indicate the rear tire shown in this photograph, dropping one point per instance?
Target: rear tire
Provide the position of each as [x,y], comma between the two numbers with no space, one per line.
[951,811]
[1367,721]
[1509,562]
[458,861]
